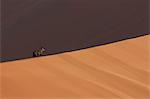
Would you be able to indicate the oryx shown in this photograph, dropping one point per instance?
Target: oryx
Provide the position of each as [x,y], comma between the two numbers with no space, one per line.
[39,52]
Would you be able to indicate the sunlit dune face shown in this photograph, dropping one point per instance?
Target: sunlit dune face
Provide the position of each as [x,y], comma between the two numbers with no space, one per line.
[115,71]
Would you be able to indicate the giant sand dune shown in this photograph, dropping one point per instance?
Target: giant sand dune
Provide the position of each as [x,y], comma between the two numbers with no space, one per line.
[115,71]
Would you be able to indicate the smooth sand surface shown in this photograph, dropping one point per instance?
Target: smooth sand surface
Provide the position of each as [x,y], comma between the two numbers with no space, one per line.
[115,71]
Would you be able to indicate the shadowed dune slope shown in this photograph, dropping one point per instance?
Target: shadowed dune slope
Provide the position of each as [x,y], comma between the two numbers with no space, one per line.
[116,71]
[67,25]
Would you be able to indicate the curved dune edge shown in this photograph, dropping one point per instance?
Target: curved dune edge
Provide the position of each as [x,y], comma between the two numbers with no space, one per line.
[116,71]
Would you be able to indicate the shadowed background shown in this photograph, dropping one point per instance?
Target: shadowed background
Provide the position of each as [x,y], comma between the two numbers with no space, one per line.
[66,25]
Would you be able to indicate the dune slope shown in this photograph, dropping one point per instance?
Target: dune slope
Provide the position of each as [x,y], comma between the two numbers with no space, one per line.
[115,71]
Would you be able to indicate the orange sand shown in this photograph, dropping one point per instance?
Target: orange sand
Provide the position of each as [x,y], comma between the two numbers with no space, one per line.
[116,71]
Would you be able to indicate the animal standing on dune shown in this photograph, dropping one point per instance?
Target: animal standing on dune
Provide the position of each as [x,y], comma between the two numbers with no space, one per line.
[39,52]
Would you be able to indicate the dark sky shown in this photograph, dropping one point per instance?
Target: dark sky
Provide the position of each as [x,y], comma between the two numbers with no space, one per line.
[63,25]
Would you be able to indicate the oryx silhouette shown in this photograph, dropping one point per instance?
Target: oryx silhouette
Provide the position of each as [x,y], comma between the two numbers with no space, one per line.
[39,52]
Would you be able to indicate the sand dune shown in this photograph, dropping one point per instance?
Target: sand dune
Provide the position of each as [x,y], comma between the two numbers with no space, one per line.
[115,71]
[66,25]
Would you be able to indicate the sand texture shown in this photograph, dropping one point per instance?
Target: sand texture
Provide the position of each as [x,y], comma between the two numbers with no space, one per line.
[115,71]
